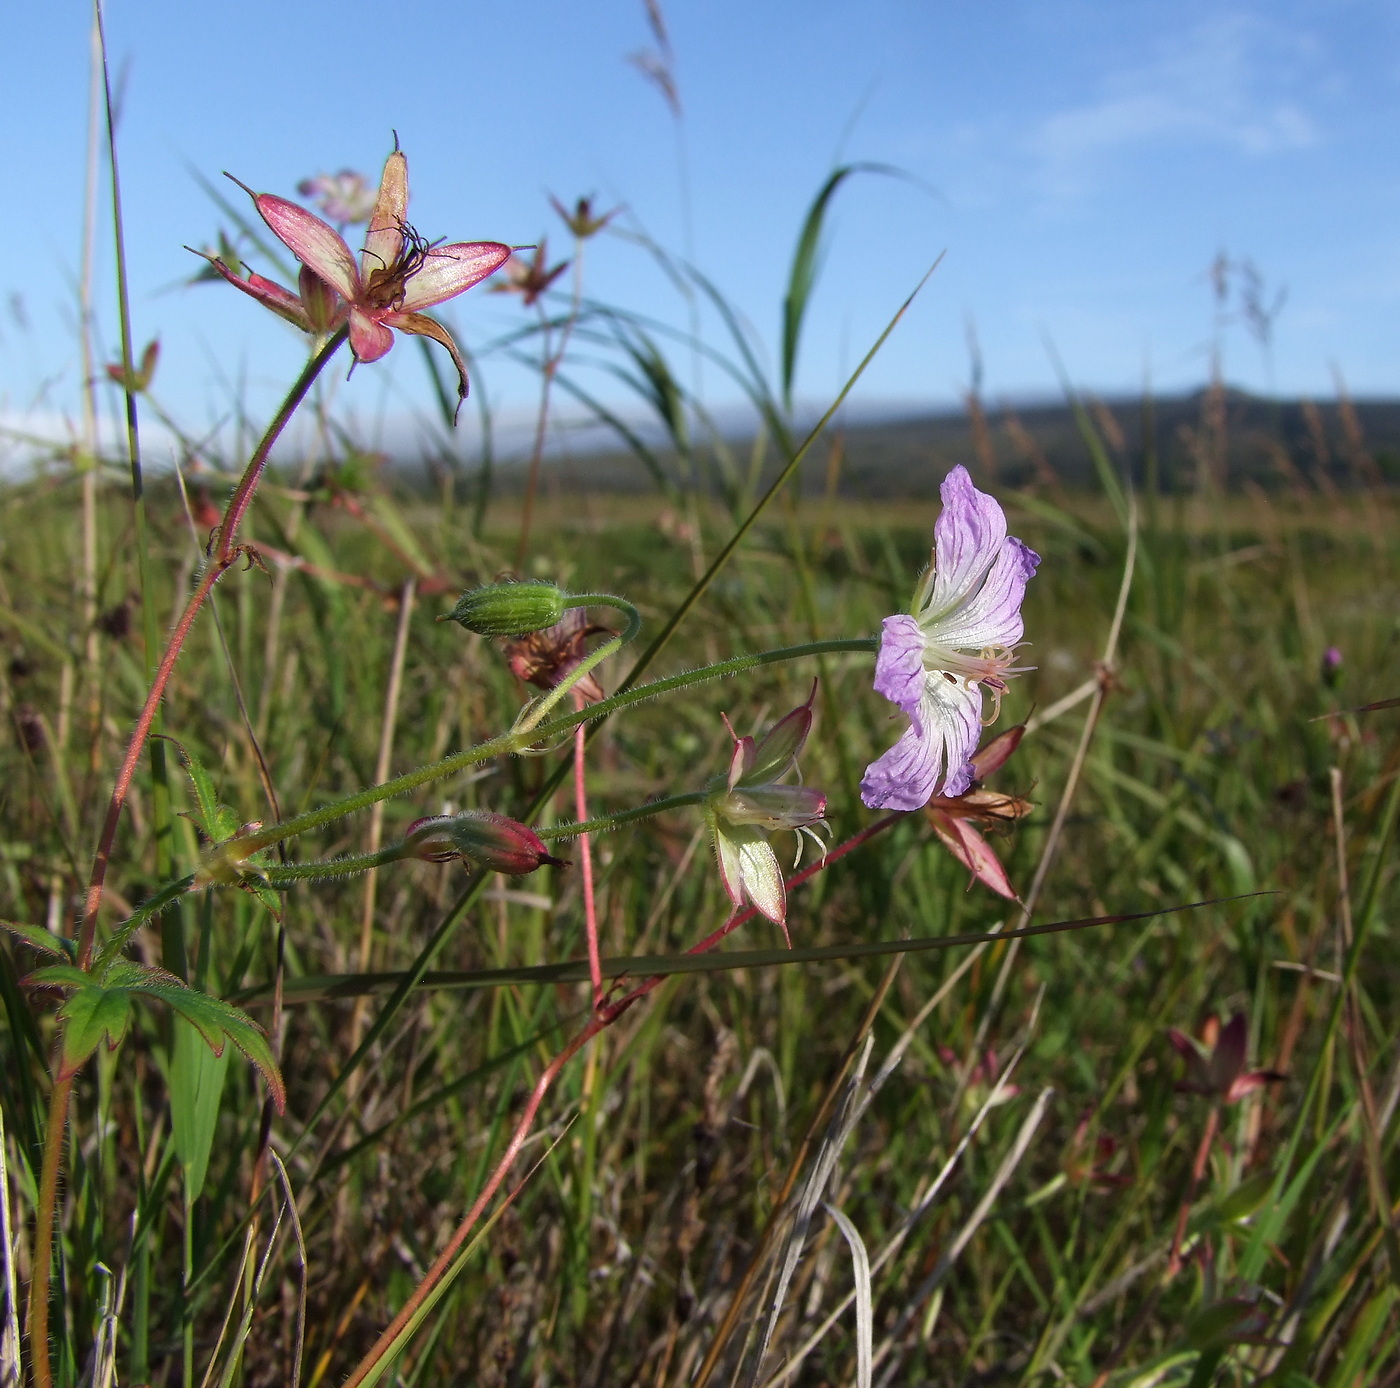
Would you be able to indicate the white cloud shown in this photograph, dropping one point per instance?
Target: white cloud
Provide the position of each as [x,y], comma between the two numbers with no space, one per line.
[1230,81]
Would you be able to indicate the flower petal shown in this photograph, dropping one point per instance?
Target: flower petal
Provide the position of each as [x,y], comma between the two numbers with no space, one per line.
[992,615]
[973,852]
[448,270]
[281,301]
[993,755]
[312,241]
[1227,1060]
[773,807]
[967,539]
[899,667]
[384,239]
[369,339]
[777,754]
[933,755]
[761,875]
[423,326]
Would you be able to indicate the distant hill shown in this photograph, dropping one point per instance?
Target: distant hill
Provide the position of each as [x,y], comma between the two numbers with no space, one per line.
[1226,434]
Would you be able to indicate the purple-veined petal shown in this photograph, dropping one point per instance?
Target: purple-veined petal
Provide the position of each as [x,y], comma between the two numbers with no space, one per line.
[933,755]
[423,326]
[384,238]
[967,539]
[899,667]
[369,339]
[992,615]
[448,270]
[312,241]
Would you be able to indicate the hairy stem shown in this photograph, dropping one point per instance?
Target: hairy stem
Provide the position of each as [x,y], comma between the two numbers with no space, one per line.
[516,740]
[58,1105]
[601,1020]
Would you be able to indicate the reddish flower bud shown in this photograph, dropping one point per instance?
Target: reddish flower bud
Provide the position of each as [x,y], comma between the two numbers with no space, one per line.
[491,842]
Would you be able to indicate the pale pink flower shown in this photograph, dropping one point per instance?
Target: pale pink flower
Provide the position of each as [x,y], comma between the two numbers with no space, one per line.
[399,273]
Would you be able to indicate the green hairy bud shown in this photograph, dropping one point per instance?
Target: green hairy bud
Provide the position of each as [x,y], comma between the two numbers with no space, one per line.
[509,609]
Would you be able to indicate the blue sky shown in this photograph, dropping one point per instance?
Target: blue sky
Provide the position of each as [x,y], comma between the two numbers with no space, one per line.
[1079,163]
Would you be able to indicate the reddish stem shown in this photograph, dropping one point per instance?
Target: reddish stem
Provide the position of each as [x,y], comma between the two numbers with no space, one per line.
[585,849]
[222,559]
[601,1020]
[1198,1169]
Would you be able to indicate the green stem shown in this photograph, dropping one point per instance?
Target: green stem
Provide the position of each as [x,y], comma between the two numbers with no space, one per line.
[613,821]
[517,740]
[287,873]
[537,711]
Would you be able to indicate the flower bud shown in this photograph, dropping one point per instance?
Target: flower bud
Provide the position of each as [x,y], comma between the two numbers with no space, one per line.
[489,841]
[324,309]
[509,609]
[773,807]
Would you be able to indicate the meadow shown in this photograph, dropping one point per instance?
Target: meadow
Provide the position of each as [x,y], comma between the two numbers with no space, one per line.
[336,1051]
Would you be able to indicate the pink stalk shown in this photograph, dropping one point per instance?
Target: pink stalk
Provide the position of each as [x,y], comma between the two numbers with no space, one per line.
[221,561]
[585,849]
[1198,1169]
[603,1018]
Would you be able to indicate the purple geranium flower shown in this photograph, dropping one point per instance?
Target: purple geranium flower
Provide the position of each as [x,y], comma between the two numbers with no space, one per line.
[965,624]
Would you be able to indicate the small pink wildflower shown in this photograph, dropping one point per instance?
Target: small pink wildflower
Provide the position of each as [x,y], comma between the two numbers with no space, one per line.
[530,278]
[344,197]
[952,816]
[747,804]
[400,272]
[1215,1065]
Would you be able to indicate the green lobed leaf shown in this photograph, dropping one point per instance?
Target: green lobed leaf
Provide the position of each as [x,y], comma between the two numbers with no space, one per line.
[218,1021]
[90,1016]
[36,937]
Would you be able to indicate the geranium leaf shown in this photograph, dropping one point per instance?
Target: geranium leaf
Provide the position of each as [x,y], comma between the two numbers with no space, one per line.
[36,937]
[92,1014]
[218,1021]
[58,976]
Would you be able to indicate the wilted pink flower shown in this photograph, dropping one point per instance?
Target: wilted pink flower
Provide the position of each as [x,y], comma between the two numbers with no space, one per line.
[400,273]
[1215,1065]
[748,804]
[582,221]
[530,278]
[952,816]
[317,309]
[344,197]
[935,661]
[1086,1162]
[545,658]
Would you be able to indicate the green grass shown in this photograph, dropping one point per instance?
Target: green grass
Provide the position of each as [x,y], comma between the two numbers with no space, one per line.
[662,1149]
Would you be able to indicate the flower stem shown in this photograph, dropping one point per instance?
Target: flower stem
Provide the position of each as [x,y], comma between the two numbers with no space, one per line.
[585,853]
[537,711]
[516,740]
[54,1130]
[619,817]
[600,1021]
